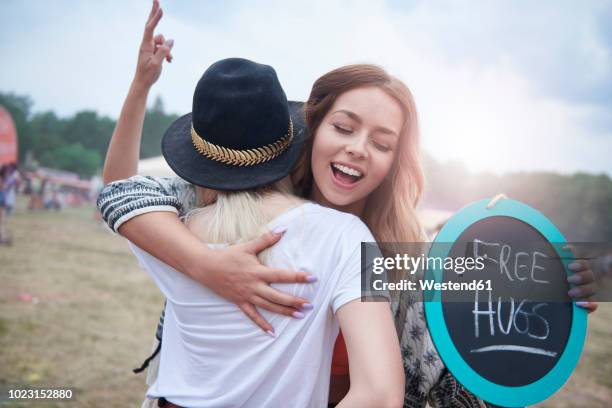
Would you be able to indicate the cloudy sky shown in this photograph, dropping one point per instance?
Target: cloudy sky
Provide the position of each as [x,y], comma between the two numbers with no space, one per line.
[500,86]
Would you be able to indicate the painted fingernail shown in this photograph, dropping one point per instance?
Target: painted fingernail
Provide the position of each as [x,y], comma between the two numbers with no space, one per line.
[280,229]
[170,43]
[311,278]
[298,315]
[271,334]
[307,306]
[574,279]
[573,292]
[582,304]
[575,266]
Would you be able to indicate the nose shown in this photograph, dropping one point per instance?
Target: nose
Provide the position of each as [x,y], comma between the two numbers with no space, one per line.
[357,147]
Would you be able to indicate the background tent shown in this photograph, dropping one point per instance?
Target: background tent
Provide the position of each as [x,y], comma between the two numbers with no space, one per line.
[8,138]
[155,166]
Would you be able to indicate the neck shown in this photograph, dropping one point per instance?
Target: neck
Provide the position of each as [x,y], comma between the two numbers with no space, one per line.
[356,208]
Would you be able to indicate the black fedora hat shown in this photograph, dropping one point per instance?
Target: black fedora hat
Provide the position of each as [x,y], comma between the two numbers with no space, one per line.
[241,134]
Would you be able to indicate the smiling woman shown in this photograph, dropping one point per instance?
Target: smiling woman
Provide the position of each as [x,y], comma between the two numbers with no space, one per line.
[364,124]
[354,147]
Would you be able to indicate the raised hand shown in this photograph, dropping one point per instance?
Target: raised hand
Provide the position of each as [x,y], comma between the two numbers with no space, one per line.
[124,148]
[153,50]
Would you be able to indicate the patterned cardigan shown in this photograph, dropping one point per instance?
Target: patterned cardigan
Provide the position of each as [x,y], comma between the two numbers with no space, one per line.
[427,379]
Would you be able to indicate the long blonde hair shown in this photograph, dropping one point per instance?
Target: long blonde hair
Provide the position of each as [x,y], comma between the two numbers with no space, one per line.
[390,210]
[234,215]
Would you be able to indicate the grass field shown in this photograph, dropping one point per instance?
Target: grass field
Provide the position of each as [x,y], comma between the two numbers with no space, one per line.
[75,311]
[93,313]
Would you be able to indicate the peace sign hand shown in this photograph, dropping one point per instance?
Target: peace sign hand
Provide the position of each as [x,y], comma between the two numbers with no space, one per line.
[153,50]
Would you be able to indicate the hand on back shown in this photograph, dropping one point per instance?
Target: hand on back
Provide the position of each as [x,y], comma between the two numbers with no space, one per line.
[241,278]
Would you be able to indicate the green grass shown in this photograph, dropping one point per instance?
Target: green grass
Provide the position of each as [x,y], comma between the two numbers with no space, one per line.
[96,313]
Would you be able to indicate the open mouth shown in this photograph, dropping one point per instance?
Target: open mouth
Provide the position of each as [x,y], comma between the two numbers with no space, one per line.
[345,175]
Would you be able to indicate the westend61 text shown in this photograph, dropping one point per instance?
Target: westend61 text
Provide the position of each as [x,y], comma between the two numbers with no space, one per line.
[428,284]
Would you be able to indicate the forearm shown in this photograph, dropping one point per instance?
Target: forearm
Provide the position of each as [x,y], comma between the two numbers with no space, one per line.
[164,236]
[353,399]
[124,148]
[362,397]
[358,398]
[375,361]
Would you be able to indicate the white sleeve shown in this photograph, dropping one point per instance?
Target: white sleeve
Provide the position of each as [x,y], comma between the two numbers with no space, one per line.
[348,285]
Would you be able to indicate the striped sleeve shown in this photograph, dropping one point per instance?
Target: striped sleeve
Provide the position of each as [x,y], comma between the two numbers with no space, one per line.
[123,200]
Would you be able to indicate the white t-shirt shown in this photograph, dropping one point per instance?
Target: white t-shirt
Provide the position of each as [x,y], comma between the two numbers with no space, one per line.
[213,356]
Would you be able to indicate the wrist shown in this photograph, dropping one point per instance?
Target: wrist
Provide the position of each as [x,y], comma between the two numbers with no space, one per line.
[196,264]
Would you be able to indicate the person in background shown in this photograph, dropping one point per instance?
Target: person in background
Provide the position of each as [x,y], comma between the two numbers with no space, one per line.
[4,238]
[38,187]
[11,186]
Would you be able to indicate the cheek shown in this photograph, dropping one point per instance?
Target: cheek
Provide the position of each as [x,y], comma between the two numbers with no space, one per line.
[322,149]
[324,142]
[381,167]
[316,156]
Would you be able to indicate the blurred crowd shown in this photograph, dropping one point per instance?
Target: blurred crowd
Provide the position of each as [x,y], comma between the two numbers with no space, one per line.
[46,189]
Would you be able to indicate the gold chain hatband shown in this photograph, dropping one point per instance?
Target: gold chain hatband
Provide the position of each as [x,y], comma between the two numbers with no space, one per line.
[237,157]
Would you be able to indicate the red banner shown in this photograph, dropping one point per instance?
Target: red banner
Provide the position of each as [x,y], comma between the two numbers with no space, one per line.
[8,138]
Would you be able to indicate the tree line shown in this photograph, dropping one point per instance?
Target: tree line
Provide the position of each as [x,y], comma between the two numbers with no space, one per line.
[77,143]
[580,204]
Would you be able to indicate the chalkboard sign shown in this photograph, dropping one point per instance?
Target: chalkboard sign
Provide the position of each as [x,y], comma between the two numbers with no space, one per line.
[515,341]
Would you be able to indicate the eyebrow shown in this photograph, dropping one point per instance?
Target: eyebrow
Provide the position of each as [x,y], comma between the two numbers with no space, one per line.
[357,118]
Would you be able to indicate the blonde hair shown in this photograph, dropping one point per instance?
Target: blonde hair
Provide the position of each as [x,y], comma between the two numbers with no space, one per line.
[390,210]
[235,215]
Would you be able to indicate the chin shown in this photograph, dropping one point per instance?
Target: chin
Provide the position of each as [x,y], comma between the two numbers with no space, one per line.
[341,200]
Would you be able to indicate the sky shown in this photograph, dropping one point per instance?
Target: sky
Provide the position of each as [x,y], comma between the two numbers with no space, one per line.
[500,86]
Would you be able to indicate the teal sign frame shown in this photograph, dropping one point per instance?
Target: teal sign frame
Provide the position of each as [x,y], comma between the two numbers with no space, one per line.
[491,392]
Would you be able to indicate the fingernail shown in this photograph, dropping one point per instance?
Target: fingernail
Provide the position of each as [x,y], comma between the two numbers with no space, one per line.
[298,315]
[271,334]
[573,292]
[311,278]
[170,43]
[279,230]
[582,304]
[307,306]
[574,279]
[574,266]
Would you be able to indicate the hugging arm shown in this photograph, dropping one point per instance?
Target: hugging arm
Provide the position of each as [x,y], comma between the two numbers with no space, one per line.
[145,210]
[376,369]
[375,361]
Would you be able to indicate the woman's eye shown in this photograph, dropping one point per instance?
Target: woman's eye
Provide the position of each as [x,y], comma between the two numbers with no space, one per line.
[343,129]
[381,147]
